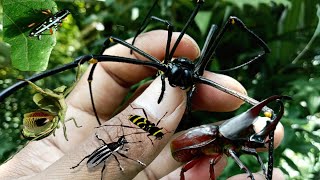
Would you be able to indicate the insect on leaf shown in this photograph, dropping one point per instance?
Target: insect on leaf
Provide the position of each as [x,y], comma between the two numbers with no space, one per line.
[27,53]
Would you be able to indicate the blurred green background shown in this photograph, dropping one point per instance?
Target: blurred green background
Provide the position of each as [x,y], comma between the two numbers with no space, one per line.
[286,25]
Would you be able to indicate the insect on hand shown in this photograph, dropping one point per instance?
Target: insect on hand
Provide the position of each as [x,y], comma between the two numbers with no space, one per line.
[145,124]
[53,21]
[181,72]
[102,154]
[233,137]
[52,110]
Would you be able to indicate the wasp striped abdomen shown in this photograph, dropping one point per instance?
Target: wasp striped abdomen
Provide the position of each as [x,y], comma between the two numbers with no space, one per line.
[147,126]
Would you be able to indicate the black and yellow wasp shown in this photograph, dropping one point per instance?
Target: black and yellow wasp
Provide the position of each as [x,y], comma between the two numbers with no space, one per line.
[146,125]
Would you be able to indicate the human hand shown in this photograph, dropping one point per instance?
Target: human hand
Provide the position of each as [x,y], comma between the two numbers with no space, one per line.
[52,157]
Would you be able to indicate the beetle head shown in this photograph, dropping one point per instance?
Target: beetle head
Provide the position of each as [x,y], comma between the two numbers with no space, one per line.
[271,125]
[240,126]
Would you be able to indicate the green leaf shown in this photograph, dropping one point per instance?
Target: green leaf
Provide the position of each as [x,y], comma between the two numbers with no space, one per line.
[203,20]
[27,53]
[256,3]
[291,164]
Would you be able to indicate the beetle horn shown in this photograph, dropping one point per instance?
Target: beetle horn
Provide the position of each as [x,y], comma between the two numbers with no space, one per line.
[234,127]
[260,136]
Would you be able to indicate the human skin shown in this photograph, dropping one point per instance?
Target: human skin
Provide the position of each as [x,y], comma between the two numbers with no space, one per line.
[52,157]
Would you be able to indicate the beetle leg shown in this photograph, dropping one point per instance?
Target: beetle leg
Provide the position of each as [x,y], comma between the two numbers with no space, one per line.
[240,164]
[211,170]
[121,168]
[81,161]
[150,139]
[104,166]
[123,155]
[101,139]
[254,152]
[213,162]
[188,166]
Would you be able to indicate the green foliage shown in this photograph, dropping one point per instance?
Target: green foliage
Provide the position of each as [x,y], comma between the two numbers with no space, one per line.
[256,3]
[286,26]
[27,53]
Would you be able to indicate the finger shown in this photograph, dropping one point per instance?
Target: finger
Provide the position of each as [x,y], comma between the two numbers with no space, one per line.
[29,161]
[277,175]
[112,79]
[200,170]
[173,106]
[211,99]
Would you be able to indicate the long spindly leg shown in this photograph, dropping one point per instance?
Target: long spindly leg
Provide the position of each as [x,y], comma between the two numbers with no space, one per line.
[81,161]
[74,121]
[213,45]
[121,125]
[121,168]
[188,166]
[106,44]
[64,129]
[144,112]
[10,90]
[90,78]
[101,139]
[169,28]
[163,88]
[234,93]
[154,62]
[144,23]
[161,119]
[125,156]
[78,75]
[240,164]
[186,26]
[112,39]
[103,168]
[254,153]
[200,65]
[94,61]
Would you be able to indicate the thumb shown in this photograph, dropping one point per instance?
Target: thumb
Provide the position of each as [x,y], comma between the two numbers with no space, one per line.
[140,146]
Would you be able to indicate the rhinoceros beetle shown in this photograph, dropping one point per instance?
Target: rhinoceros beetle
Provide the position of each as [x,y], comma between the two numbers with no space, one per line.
[232,137]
